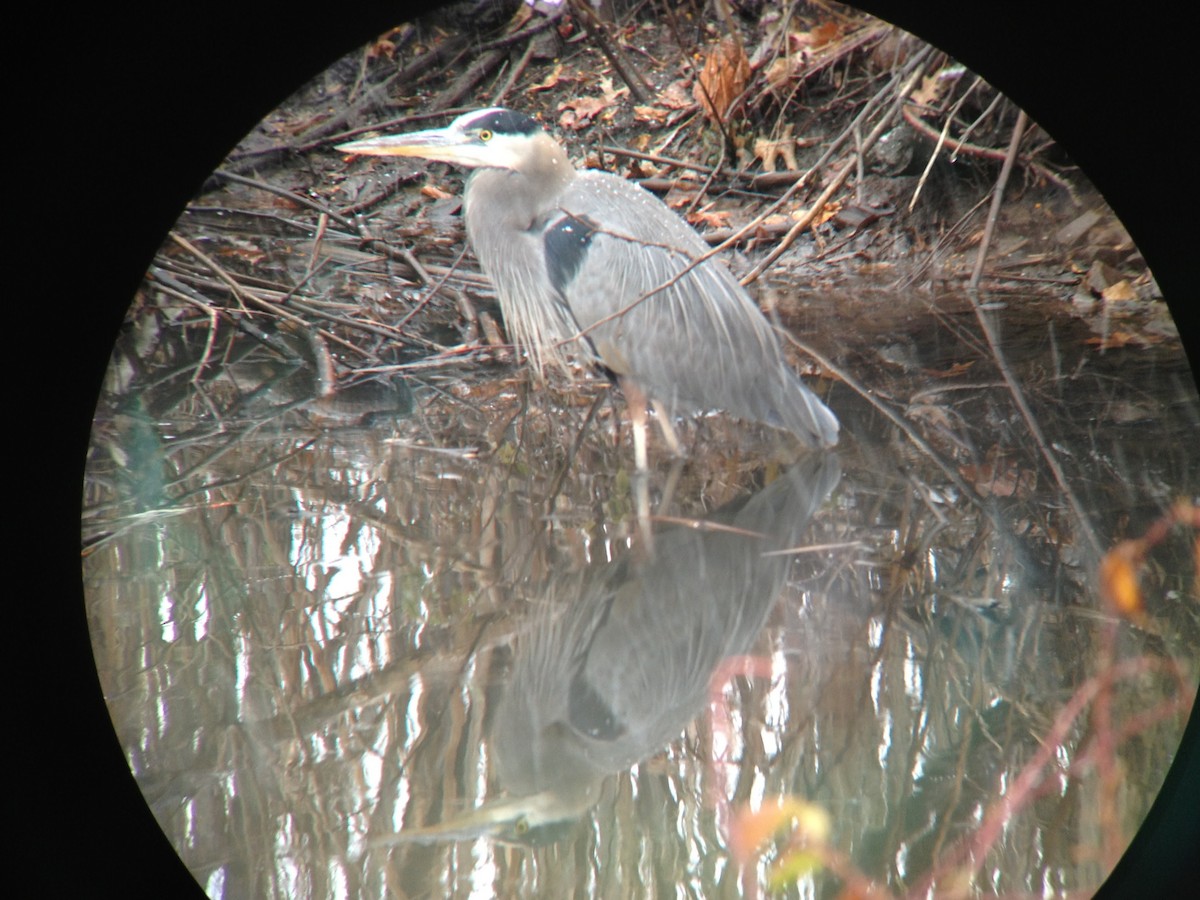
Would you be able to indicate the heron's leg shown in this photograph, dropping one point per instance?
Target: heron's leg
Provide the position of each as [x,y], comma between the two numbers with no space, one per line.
[668,493]
[668,431]
[636,401]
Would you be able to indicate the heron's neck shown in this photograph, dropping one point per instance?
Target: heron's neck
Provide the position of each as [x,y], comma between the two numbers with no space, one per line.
[547,166]
[521,196]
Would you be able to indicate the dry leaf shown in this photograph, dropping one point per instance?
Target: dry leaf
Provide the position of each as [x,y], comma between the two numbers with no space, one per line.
[710,218]
[826,33]
[959,368]
[550,81]
[680,196]
[610,93]
[434,192]
[1119,578]
[771,151]
[579,113]
[817,37]
[783,68]
[999,477]
[928,93]
[675,95]
[384,46]
[828,211]
[724,78]
[779,72]
[1121,290]
[1115,340]
[750,830]
[651,115]
[243,250]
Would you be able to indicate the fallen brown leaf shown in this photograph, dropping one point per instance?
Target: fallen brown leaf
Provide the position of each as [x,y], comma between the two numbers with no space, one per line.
[550,81]
[610,93]
[999,477]
[724,77]
[953,372]
[770,152]
[675,95]
[680,196]
[1114,340]
[1121,290]
[710,218]
[576,114]
[780,70]
[651,115]
[928,93]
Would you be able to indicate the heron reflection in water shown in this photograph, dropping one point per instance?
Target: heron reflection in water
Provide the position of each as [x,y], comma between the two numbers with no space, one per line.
[588,264]
[619,657]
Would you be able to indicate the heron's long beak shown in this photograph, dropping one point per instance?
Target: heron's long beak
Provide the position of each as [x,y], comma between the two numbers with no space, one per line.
[518,820]
[439,144]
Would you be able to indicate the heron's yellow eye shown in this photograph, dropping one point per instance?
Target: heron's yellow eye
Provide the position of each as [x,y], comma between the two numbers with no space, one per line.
[522,824]
[485,135]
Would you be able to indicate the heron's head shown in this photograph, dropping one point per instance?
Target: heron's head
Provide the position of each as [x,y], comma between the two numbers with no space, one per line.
[487,138]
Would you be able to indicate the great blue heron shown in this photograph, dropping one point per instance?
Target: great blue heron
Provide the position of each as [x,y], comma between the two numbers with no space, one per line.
[619,657]
[587,263]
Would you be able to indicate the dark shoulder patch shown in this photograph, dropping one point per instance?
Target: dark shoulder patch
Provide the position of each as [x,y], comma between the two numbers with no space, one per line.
[566,242]
[507,121]
[589,713]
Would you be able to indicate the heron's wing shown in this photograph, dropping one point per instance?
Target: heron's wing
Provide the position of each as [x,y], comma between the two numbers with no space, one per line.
[512,253]
[687,332]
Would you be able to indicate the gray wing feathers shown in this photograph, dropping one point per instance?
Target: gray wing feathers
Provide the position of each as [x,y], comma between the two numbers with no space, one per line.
[697,343]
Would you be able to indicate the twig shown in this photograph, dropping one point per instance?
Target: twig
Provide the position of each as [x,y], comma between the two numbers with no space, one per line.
[1032,424]
[470,79]
[870,396]
[517,71]
[835,185]
[997,199]
[658,160]
[639,88]
[298,199]
[972,854]
[560,476]
[913,67]
[966,148]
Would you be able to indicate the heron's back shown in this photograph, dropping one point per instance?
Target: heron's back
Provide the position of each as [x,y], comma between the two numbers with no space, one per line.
[687,332]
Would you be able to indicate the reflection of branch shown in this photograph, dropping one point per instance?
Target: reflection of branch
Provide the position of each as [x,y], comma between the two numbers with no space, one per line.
[1031,422]
[1028,783]
[911,433]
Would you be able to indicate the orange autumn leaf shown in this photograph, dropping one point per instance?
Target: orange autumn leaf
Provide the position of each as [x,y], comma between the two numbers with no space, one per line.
[1120,291]
[710,218]
[1114,340]
[959,368]
[928,94]
[550,81]
[650,115]
[825,33]
[1119,579]
[724,77]
[751,829]
[577,114]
